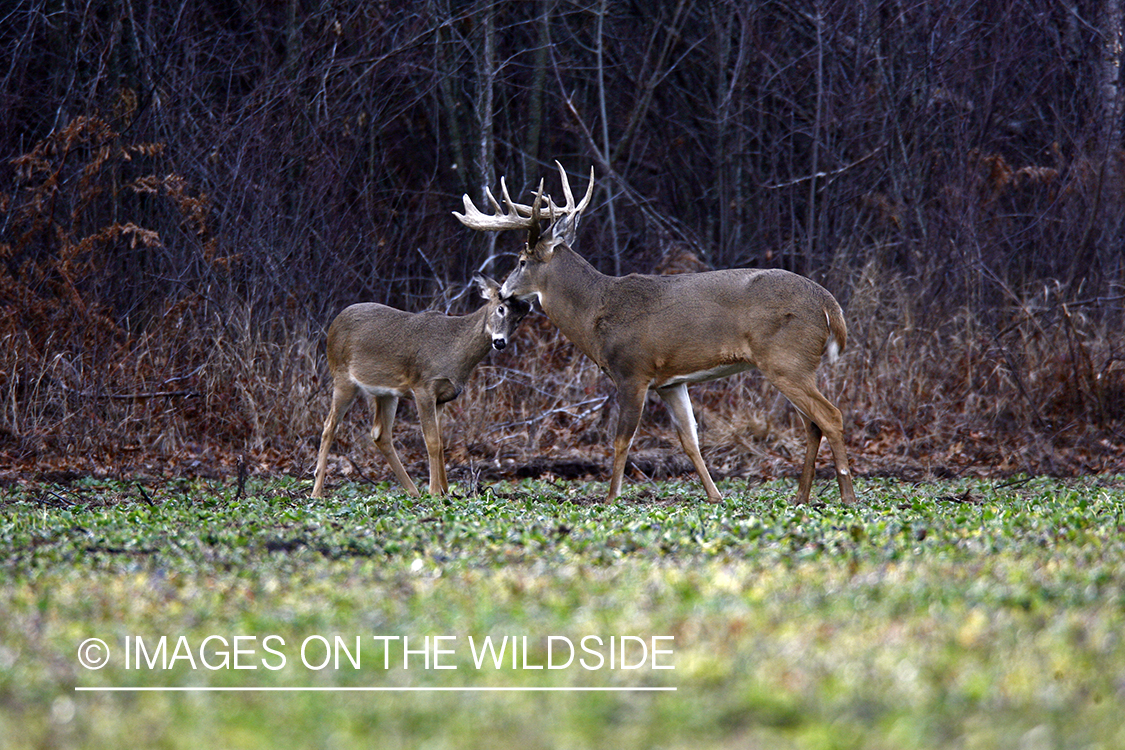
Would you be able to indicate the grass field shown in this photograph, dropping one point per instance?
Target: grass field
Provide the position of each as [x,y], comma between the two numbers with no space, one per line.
[982,614]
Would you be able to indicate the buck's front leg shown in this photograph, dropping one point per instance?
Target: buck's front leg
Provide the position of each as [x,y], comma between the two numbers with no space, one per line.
[631,403]
[679,405]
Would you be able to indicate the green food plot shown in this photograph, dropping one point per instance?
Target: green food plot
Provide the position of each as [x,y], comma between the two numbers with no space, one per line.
[973,614]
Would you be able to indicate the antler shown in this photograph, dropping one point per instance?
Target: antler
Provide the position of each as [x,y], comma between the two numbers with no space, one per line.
[516,216]
[570,209]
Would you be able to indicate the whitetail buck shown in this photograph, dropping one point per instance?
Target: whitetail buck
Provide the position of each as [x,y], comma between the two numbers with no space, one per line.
[663,332]
[387,354]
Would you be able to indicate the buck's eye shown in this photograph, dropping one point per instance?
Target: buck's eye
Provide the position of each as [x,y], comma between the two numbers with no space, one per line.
[522,262]
[502,311]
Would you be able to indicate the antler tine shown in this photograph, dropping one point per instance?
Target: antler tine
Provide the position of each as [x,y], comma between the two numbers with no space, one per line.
[533,232]
[519,209]
[566,188]
[570,208]
[539,198]
[589,192]
[470,210]
[507,198]
[491,199]
[515,216]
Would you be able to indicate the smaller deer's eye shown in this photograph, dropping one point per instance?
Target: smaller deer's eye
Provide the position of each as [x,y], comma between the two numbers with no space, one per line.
[502,310]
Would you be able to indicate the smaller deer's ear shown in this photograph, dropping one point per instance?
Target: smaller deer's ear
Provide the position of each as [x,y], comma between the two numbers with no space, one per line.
[489,289]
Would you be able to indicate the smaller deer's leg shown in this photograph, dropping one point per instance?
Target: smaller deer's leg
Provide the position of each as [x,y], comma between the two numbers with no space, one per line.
[385,408]
[679,406]
[443,480]
[631,403]
[343,393]
[429,414]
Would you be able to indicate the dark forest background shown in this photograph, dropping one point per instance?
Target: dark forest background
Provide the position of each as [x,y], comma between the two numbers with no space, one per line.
[189,191]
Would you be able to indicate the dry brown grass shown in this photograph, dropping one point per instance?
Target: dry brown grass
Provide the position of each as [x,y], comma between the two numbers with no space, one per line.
[1040,388]
[191,383]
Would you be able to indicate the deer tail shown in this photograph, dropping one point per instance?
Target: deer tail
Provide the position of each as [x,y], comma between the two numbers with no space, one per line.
[837,332]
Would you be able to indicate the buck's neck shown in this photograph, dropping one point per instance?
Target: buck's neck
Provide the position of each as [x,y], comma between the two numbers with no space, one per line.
[573,297]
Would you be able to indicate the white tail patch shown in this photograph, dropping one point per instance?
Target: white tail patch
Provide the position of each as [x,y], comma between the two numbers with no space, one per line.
[832,350]
[831,347]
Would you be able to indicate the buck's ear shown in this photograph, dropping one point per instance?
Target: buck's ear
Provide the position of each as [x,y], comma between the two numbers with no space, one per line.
[566,229]
[489,289]
[543,249]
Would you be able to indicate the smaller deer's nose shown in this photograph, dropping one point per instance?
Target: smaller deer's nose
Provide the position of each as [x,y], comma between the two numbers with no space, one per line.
[499,344]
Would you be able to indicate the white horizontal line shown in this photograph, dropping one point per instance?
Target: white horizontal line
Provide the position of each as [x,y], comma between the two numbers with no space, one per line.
[310,689]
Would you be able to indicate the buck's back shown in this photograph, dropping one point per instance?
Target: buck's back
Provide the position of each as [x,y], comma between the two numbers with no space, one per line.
[764,293]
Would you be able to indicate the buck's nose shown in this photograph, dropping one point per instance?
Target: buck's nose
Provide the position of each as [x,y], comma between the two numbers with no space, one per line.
[499,344]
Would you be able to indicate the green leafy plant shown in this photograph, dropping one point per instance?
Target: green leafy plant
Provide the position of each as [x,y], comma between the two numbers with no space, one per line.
[978,612]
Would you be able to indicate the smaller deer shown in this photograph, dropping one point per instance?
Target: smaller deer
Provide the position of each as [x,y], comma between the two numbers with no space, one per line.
[388,354]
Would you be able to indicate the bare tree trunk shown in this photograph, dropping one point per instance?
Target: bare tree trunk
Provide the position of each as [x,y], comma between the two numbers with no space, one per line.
[446,77]
[538,84]
[292,39]
[486,80]
[1113,104]
[728,182]
[1110,85]
[1104,225]
[814,167]
[605,138]
[671,32]
[486,76]
[720,23]
[295,194]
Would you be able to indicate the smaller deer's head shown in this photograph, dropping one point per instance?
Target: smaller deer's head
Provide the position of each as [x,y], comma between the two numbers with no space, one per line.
[504,313]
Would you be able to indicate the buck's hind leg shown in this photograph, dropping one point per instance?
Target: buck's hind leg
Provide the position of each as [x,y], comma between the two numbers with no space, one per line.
[821,418]
[679,406]
[843,471]
[385,407]
[343,394]
[813,434]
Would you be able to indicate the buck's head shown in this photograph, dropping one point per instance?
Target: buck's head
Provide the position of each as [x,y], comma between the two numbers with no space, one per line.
[504,313]
[526,281]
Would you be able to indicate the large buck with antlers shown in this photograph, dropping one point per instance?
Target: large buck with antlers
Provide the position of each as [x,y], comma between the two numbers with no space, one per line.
[387,354]
[664,332]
